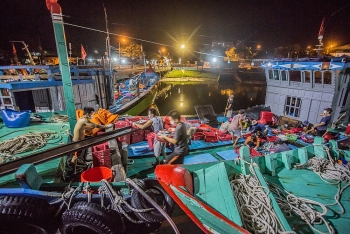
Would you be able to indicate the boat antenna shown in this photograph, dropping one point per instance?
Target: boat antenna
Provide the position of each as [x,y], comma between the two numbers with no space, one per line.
[320,37]
[108,44]
[26,48]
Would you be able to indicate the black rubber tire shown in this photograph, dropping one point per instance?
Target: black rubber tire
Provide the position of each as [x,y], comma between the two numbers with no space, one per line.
[85,217]
[155,191]
[19,214]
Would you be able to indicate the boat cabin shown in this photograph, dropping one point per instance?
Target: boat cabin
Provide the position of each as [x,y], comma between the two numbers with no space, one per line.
[302,89]
[40,88]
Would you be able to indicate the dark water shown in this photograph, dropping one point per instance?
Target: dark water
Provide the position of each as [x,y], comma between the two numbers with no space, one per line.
[184,96]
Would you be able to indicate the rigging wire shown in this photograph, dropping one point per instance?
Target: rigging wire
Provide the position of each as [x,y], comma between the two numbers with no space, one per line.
[139,39]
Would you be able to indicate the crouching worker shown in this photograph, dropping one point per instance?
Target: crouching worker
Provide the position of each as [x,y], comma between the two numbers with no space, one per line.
[77,163]
[179,140]
[157,125]
[252,141]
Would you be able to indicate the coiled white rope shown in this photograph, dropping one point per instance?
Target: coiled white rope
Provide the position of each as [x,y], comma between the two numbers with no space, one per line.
[27,142]
[254,205]
[302,207]
[58,118]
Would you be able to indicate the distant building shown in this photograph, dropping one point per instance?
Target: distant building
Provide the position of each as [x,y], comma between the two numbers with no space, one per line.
[341,51]
[224,44]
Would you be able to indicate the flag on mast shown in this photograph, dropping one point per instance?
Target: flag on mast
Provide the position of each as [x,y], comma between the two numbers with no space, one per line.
[13,48]
[83,53]
[320,33]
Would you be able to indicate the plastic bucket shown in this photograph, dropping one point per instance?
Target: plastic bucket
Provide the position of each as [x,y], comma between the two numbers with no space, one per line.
[96,174]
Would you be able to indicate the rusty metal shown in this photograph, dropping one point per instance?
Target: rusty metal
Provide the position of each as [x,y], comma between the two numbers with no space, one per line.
[60,151]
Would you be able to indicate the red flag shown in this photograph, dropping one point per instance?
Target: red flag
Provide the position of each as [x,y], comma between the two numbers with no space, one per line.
[14,49]
[320,33]
[83,53]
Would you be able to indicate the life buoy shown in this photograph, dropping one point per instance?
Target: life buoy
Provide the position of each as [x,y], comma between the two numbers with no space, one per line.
[157,193]
[89,217]
[20,214]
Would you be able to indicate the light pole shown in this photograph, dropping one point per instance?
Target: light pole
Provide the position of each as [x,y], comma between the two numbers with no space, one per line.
[119,49]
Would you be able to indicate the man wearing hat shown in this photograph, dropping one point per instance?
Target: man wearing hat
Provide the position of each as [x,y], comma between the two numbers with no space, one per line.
[258,128]
[307,127]
[321,128]
[229,107]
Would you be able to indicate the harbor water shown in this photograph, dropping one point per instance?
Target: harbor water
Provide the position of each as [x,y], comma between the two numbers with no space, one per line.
[184,96]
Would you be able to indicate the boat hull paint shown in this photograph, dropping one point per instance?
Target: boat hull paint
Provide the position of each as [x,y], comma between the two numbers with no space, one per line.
[173,179]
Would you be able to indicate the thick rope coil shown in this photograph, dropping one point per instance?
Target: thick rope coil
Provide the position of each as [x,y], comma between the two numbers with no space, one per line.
[27,142]
[254,205]
[302,207]
[58,118]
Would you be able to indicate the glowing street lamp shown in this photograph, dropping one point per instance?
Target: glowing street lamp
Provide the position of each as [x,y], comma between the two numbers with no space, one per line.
[214,60]
[182,46]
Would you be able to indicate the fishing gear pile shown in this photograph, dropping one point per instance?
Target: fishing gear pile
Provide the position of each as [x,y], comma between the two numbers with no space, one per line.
[58,118]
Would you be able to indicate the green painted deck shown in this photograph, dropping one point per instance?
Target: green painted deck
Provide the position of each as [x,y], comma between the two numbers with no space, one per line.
[49,169]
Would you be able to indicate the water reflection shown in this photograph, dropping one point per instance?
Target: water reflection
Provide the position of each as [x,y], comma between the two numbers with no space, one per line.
[185,96]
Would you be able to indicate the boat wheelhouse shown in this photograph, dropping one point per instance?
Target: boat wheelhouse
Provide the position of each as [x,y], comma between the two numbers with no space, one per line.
[40,88]
[303,88]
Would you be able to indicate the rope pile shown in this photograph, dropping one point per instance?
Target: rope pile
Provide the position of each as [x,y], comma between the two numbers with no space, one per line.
[24,143]
[304,208]
[58,118]
[254,205]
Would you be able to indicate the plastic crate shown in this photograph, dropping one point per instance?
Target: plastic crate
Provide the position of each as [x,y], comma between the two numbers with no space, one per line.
[121,124]
[296,130]
[307,139]
[198,136]
[100,147]
[246,135]
[211,137]
[102,158]
[285,132]
[125,138]
[150,139]
[275,131]
[135,138]
[292,137]
[272,138]
[195,121]
[224,137]
[145,134]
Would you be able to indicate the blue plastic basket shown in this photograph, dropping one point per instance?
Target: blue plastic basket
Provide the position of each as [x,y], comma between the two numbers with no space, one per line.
[15,119]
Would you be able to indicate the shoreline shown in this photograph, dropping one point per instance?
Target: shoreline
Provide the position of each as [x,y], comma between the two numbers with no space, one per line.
[188,79]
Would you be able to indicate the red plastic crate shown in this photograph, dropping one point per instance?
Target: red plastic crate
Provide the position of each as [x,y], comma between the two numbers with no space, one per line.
[246,135]
[196,121]
[275,131]
[102,158]
[125,138]
[210,138]
[224,137]
[121,124]
[272,138]
[296,130]
[145,133]
[100,147]
[198,136]
[135,138]
[252,151]
[150,138]
[209,134]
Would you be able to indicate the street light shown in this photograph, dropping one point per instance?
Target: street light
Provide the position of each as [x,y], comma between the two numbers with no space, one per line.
[182,46]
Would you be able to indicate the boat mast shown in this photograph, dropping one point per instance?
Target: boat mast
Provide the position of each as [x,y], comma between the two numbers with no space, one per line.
[26,48]
[57,20]
[108,44]
[320,38]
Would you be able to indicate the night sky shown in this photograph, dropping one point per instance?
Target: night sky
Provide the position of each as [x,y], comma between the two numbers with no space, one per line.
[268,23]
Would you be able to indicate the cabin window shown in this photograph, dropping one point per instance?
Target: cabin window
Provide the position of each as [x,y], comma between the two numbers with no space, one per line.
[318,77]
[292,106]
[270,74]
[295,76]
[307,76]
[275,75]
[283,75]
[327,77]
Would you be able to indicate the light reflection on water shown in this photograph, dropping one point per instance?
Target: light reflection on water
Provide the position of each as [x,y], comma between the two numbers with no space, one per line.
[184,96]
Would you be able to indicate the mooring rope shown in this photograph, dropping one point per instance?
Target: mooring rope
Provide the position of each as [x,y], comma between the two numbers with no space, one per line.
[27,142]
[302,207]
[254,205]
[58,118]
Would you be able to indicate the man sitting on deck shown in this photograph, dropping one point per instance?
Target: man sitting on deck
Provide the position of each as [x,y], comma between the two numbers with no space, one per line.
[321,128]
[258,127]
[308,127]
[179,140]
[157,125]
